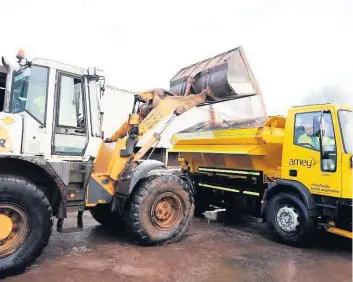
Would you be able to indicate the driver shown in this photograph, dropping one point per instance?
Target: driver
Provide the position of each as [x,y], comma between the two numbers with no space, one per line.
[309,138]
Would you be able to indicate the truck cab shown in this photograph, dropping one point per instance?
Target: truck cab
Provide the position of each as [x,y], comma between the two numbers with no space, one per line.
[317,153]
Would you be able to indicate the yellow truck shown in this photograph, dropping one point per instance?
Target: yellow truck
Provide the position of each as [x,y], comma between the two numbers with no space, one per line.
[294,172]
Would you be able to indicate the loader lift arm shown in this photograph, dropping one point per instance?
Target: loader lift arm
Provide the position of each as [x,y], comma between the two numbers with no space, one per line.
[116,160]
[155,105]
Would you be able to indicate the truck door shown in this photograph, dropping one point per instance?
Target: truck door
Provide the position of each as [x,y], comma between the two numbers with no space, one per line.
[302,159]
[346,125]
[70,122]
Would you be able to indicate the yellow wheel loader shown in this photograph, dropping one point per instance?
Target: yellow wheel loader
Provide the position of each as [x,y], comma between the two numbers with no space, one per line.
[53,155]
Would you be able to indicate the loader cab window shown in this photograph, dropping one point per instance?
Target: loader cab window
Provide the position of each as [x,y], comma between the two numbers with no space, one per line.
[307,135]
[71,104]
[29,92]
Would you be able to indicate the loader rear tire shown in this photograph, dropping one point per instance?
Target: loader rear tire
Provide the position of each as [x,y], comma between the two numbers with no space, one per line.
[105,217]
[161,210]
[27,215]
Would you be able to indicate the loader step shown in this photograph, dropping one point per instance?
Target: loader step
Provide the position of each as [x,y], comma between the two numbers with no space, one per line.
[79,227]
[70,230]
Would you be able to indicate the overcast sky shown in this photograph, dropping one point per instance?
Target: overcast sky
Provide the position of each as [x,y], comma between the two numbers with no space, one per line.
[293,46]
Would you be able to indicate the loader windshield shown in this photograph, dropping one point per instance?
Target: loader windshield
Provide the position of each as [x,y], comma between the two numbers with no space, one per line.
[29,92]
[346,124]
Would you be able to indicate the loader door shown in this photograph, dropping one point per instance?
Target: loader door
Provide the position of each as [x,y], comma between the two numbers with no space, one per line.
[302,158]
[2,87]
[70,133]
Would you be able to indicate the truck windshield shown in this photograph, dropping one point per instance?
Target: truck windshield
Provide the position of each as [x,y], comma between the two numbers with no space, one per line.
[346,124]
[29,92]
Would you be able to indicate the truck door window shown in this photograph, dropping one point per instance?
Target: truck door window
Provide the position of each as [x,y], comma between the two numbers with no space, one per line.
[303,133]
[71,110]
[306,135]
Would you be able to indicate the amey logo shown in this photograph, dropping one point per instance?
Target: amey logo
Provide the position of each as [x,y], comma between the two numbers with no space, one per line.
[302,162]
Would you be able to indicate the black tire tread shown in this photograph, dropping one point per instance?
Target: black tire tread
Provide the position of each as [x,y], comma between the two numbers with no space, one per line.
[143,190]
[300,241]
[106,218]
[31,189]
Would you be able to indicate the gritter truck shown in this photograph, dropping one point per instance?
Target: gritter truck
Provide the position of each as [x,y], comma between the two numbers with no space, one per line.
[293,172]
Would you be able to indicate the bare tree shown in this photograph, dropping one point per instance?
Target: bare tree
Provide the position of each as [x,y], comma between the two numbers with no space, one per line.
[327,94]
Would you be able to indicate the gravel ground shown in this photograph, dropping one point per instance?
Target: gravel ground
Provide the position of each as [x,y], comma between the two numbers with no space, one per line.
[236,250]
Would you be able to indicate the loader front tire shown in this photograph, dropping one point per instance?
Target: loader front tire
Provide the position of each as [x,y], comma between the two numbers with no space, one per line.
[161,210]
[104,216]
[25,223]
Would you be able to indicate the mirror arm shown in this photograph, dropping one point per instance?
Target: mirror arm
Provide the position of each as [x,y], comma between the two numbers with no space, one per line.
[320,136]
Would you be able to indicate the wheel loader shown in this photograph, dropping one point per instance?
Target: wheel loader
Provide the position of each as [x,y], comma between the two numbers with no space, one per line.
[54,156]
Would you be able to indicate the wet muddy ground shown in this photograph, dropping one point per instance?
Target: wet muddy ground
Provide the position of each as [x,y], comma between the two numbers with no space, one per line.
[212,251]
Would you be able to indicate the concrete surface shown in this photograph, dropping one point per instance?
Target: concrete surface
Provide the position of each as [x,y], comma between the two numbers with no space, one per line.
[215,251]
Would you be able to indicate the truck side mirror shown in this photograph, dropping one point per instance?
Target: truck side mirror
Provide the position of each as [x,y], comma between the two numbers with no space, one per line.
[328,152]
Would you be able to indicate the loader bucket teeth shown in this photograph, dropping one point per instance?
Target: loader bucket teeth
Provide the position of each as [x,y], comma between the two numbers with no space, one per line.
[228,75]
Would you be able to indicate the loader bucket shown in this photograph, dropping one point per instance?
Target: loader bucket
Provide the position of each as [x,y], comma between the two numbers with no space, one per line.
[228,75]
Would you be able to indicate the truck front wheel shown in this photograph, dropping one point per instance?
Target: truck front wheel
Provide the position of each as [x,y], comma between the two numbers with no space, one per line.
[25,224]
[161,210]
[288,219]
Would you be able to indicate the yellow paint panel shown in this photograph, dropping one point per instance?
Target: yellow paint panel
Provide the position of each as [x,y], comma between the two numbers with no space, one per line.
[222,149]
[340,232]
[108,161]
[109,187]
[256,148]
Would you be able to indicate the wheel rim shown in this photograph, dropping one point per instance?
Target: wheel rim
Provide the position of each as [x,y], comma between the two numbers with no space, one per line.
[166,211]
[16,228]
[287,219]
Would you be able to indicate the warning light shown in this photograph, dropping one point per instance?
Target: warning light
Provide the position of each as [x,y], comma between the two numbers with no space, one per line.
[20,54]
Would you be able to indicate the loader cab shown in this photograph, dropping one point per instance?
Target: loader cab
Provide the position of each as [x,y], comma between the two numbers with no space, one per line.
[317,150]
[58,106]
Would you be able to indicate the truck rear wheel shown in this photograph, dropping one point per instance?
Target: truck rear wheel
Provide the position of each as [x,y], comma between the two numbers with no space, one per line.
[288,219]
[161,210]
[25,224]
